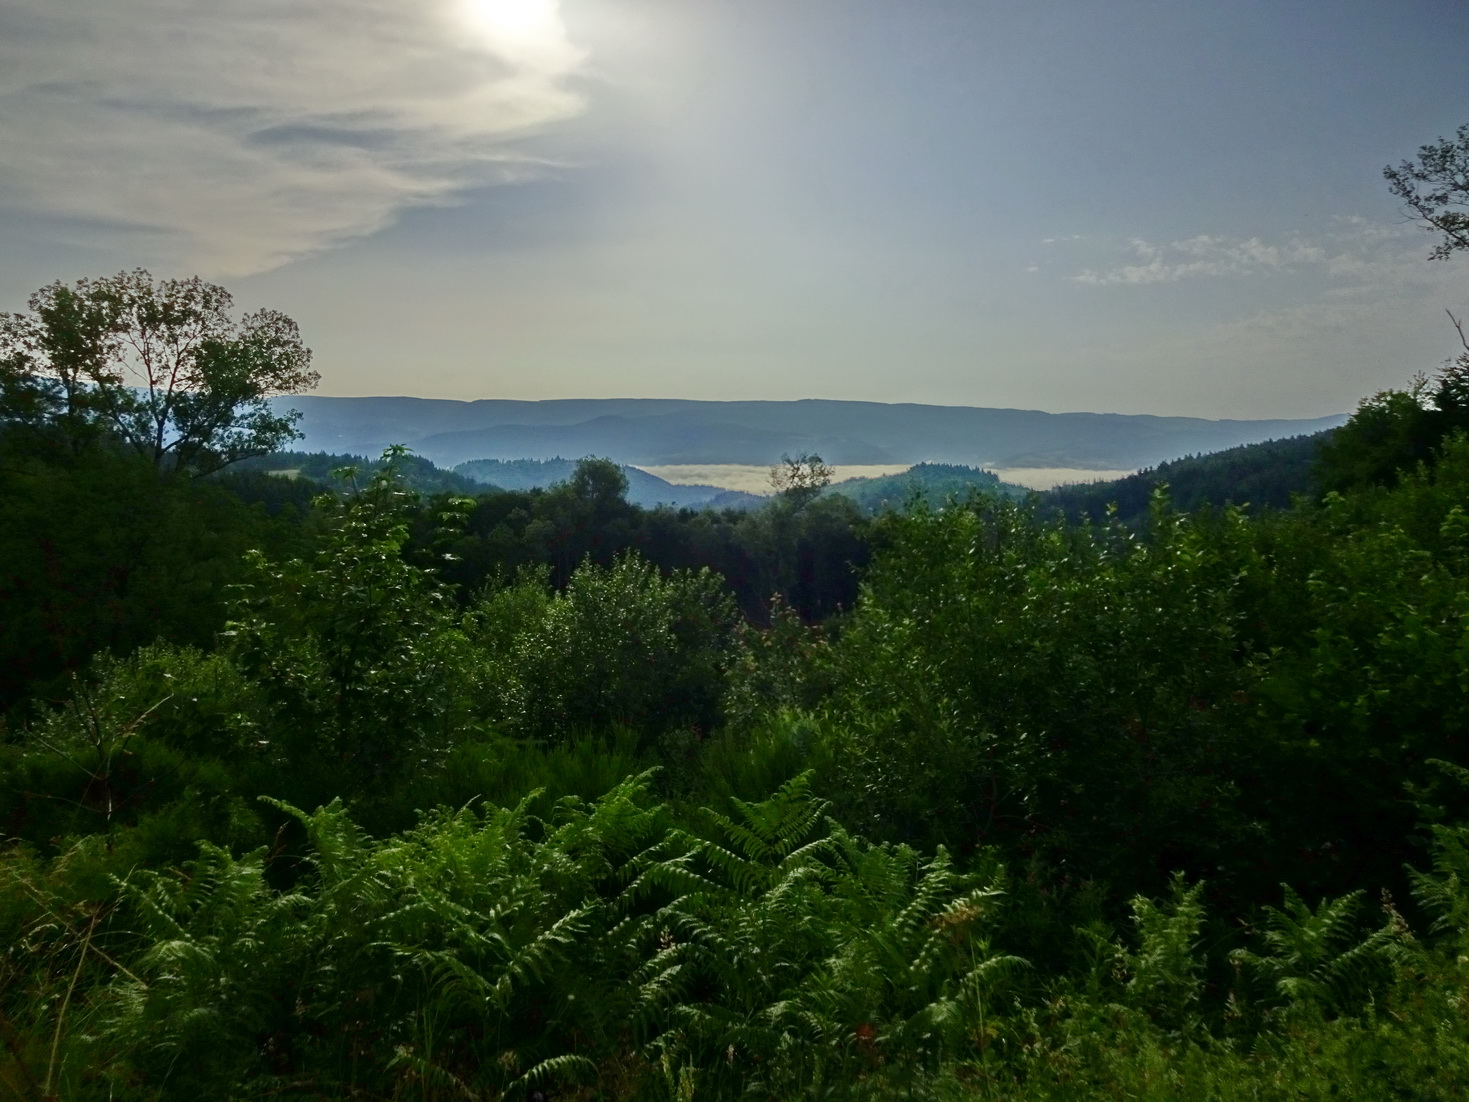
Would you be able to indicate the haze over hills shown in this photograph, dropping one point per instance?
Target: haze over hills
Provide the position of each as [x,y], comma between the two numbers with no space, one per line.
[643,489]
[660,431]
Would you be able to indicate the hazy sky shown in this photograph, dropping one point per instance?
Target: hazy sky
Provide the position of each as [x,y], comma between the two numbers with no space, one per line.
[1159,206]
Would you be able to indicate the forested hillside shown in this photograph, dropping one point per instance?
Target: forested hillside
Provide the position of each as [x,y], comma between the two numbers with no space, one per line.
[321,470]
[1267,475]
[938,484]
[387,794]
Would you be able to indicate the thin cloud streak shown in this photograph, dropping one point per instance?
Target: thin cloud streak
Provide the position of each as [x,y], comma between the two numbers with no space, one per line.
[1356,250]
[1303,359]
[235,138]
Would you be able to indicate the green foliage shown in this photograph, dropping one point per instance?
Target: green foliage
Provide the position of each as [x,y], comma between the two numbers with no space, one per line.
[620,645]
[600,483]
[807,554]
[49,962]
[766,953]
[1319,959]
[502,769]
[783,665]
[748,759]
[1267,475]
[806,550]
[317,471]
[103,554]
[361,655]
[158,368]
[461,956]
[491,951]
[1165,972]
[1435,188]
[1366,688]
[1396,431]
[1007,678]
[938,484]
[799,479]
[1389,433]
[147,740]
[816,954]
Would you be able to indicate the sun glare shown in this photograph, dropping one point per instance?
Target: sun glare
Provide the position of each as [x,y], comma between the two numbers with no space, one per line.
[515,20]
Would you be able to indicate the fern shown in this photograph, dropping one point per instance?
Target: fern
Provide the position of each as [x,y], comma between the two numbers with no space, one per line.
[1444,892]
[808,948]
[1317,958]
[1165,971]
[487,951]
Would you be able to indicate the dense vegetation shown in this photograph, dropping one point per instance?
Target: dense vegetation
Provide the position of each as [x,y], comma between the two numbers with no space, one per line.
[938,484]
[1261,476]
[319,471]
[387,795]
[415,800]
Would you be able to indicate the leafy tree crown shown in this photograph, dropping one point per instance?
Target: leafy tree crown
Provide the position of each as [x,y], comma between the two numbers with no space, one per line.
[157,367]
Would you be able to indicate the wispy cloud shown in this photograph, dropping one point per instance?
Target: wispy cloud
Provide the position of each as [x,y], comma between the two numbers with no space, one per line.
[238,136]
[1371,325]
[1206,255]
[1353,249]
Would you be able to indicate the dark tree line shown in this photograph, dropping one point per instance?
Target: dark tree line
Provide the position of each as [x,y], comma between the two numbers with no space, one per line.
[1268,475]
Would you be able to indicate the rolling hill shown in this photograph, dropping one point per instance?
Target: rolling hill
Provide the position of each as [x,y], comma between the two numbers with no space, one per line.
[643,489]
[938,484]
[1263,476]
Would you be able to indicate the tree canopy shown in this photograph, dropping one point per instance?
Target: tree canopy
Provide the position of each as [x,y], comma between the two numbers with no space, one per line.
[1435,188]
[160,368]
[1396,430]
[800,478]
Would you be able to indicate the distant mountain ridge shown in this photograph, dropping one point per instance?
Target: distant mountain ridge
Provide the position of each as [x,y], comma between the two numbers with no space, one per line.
[663,431]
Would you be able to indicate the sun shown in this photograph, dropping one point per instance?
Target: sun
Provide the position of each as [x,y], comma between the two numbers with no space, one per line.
[515,20]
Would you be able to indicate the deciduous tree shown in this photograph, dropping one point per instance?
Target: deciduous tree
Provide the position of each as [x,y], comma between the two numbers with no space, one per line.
[1435,188]
[157,367]
[800,478]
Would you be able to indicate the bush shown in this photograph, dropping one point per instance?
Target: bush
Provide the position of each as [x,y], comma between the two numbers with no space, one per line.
[362,657]
[620,646]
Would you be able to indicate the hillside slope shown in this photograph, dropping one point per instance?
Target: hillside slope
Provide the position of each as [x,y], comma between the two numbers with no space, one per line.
[643,489]
[1264,476]
[937,484]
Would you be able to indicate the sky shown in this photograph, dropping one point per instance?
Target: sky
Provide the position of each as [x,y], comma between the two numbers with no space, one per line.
[1134,206]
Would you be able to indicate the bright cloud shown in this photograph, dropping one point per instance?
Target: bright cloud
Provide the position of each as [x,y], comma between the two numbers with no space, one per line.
[240,135]
[1354,249]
